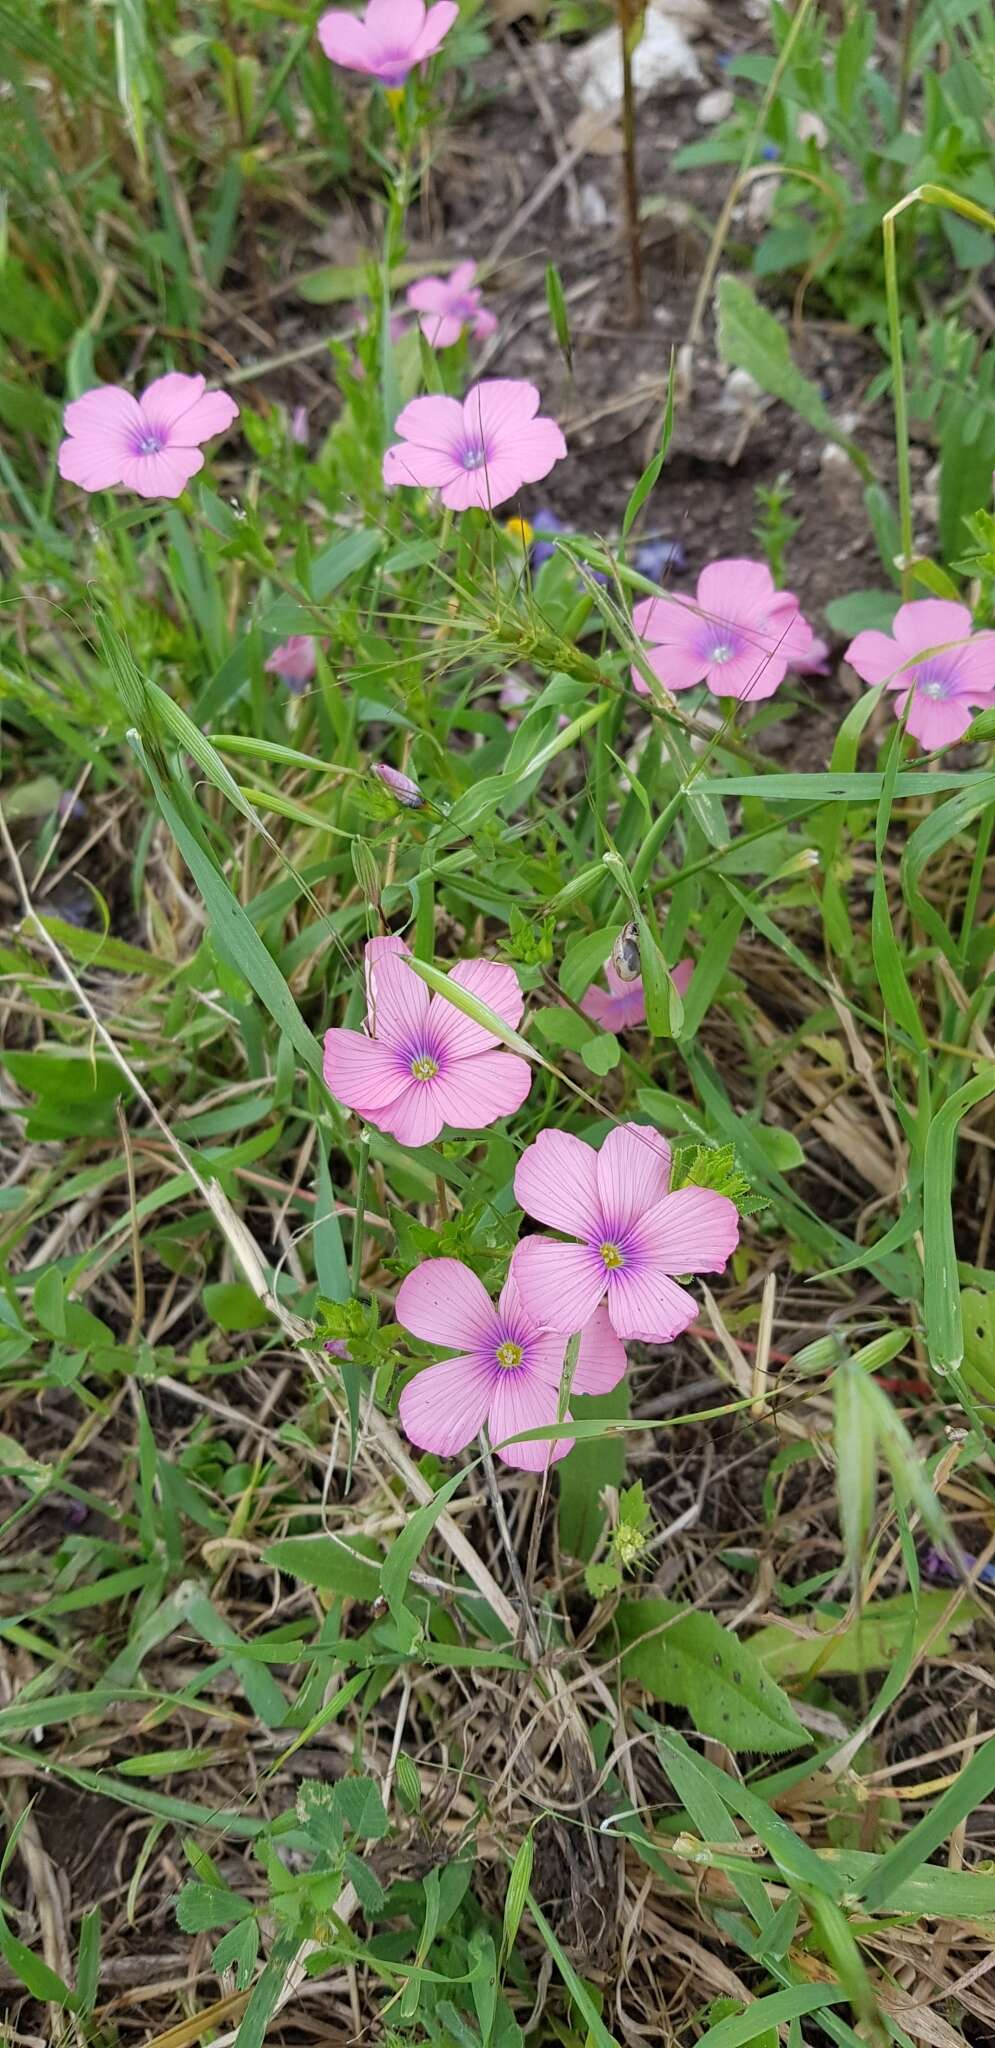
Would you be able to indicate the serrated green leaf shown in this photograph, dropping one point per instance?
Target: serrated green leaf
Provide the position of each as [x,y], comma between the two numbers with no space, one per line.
[237,1950]
[689,1660]
[362,1808]
[328,1563]
[201,1907]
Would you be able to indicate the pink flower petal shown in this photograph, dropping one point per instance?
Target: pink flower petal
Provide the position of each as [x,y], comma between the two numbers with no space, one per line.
[461,279]
[444,1303]
[498,407]
[936,721]
[441,330]
[395,24]
[601,1361]
[975,666]
[180,408]
[496,985]
[677,668]
[438,22]
[646,1305]
[345,40]
[633,1174]
[521,1401]
[693,1230]
[165,475]
[556,1181]
[428,469]
[875,656]
[428,295]
[417,1117]
[397,999]
[929,622]
[432,423]
[734,587]
[485,323]
[443,1408]
[482,1089]
[748,677]
[622,1012]
[93,461]
[681,976]
[363,1074]
[107,410]
[560,1284]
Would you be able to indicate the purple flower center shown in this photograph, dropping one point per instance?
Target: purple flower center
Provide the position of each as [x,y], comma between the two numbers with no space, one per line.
[150,442]
[393,67]
[472,455]
[934,680]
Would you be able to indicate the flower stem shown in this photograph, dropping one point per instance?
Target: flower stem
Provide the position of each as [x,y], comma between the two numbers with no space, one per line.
[362,1171]
[627,19]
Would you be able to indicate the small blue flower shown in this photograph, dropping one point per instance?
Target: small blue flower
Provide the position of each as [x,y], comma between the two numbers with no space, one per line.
[656,558]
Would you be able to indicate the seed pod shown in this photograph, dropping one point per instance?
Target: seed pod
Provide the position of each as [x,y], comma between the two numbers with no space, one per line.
[625,953]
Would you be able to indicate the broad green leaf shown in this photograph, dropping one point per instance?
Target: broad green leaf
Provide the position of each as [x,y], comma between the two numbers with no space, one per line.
[689,1660]
[838,1648]
[232,1305]
[753,340]
[328,1563]
[592,1465]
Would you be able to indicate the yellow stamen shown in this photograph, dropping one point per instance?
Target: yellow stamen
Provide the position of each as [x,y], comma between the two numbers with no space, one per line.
[424,1068]
[508,1356]
[612,1256]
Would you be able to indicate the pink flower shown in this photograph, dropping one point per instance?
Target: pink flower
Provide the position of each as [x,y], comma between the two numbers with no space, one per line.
[956,671]
[635,1236]
[816,662]
[421,1062]
[299,429]
[448,304]
[151,444]
[738,634]
[389,39]
[625,1005]
[404,790]
[295,661]
[477,453]
[507,1370]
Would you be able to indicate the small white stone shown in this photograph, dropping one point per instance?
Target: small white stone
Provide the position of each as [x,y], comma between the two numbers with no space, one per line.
[740,392]
[592,206]
[715,106]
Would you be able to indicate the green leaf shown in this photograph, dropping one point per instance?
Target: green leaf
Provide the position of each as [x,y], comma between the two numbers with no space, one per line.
[232,1305]
[856,1460]
[651,473]
[978,1317]
[971,1788]
[868,1643]
[343,559]
[237,1951]
[753,340]
[763,2014]
[201,1907]
[88,1959]
[328,1563]
[594,1463]
[34,1973]
[944,1325]
[601,1053]
[361,1806]
[558,314]
[398,1566]
[689,1660]
[517,1893]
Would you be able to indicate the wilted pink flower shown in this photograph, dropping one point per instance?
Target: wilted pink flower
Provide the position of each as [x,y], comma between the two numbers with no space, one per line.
[635,1236]
[401,787]
[956,669]
[448,304]
[294,661]
[815,662]
[508,1367]
[151,444]
[337,1347]
[624,1006]
[389,39]
[514,695]
[421,1062]
[477,453]
[738,634]
[299,426]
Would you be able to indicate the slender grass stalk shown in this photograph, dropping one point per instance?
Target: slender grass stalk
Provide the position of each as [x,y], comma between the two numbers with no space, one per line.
[628,18]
